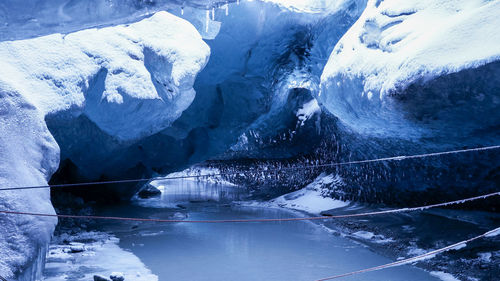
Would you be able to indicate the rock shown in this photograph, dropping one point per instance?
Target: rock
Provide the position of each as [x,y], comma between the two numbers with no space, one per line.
[179,216]
[117,276]
[100,278]
[77,249]
[149,191]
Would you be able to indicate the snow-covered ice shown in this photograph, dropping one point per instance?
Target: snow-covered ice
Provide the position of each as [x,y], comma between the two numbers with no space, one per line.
[130,80]
[307,111]
[102,256]
[195,173]
[395,44]
[311,199]
[376,238]
[443,276]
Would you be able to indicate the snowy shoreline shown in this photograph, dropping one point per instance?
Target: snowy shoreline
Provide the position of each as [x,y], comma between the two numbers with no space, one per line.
[84,255]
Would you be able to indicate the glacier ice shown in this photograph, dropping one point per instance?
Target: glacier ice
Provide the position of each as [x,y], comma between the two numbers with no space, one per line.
[129,81]
[267,59]
[138,99]
[415,77]
[137,73]
[29,156]
[374,78]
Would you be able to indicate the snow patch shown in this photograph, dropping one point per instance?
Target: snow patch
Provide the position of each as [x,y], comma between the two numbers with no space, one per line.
[493,233]
[376,238]
[307,111]
[485,257]
[102,256]
[199,174]
[311,199]
[443,276]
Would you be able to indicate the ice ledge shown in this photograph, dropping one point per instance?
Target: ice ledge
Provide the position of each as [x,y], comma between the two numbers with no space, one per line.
[140,74]
[394,45]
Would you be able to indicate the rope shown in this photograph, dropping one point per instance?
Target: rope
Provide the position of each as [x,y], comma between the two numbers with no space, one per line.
[394,158]
[430,254]
[254,220]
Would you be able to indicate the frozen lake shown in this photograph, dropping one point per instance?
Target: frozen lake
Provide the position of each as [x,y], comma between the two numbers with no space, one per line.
[254,251]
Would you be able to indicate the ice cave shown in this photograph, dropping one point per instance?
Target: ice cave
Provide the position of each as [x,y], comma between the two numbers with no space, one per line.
[283,140]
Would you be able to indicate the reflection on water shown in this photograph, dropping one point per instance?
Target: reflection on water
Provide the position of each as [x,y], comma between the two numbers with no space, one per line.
[180,192]
[246,251]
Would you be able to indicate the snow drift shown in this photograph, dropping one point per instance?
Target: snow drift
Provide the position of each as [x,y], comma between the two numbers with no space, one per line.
[130,81]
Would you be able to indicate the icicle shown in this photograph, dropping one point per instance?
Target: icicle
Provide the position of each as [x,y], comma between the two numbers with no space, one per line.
[237,2]
[227,8]
[213,13]
[207,20]
[182,10]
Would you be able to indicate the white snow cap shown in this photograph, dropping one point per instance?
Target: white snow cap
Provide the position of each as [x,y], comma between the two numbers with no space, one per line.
[131,80]
[395,43]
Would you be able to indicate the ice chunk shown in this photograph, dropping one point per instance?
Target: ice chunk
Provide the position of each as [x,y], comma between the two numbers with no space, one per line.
[394,45]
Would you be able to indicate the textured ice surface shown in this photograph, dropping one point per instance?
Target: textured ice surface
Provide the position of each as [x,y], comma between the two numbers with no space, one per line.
[264,68]
[31,18]
[366,82]
[28,156]
[130,81]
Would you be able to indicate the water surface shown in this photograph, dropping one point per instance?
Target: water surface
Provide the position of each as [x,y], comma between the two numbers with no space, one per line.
[251,251]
